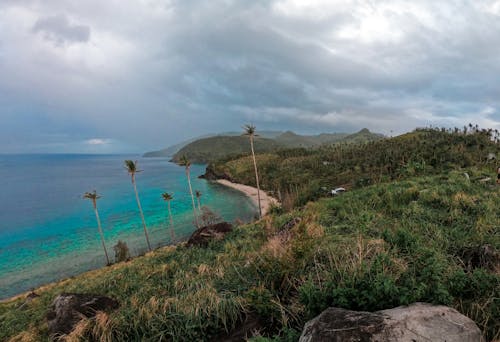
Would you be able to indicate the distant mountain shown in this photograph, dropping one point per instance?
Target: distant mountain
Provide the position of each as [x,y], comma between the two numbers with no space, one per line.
[214,148]
[222,146]
[172,150]
[362,136]
[169,151]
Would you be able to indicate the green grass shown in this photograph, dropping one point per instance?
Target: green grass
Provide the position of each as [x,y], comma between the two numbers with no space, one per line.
[372,248]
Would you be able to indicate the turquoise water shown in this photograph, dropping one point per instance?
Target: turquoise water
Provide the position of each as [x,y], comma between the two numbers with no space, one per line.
[48,232]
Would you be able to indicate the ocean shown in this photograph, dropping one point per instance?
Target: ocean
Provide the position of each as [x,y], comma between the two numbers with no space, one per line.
[49,232]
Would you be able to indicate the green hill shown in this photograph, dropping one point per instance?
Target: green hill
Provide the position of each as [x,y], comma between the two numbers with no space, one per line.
[302,173]
[292,140]
[412,228]
[172,150]
[227,146]
[214,148]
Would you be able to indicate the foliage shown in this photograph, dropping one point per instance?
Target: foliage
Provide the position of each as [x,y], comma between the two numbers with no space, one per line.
[301,174]
[122,252]
[213,148]
[372,248]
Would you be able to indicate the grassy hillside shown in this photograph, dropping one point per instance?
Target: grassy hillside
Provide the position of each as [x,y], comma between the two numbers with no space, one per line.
[300,175]
[420,223]
[372,248]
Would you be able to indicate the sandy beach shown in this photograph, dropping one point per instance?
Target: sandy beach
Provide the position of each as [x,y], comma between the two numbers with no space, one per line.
[265,200]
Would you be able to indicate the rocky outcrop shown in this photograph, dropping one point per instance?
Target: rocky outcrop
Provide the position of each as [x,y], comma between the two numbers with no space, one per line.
[212,175]
[69,308]
[414,323]
[202,236]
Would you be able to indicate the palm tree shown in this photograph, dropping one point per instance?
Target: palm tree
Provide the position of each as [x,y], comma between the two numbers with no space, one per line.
[250,132]
[93,196]
[168,197]
[131,167]
[184,161]
[198,196]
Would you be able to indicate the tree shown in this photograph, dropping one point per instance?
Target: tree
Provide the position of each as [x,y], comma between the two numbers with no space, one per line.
[93,196]
[198,196]
[184,161]
[131,167]
[250,133]
[168,197]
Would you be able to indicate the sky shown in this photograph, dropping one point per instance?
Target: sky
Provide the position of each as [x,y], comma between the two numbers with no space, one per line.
[119,76]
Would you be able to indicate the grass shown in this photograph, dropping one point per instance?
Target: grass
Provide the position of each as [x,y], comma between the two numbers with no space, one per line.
[371,248]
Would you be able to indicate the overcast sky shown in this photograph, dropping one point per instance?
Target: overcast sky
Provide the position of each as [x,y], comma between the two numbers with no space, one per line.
[119,76]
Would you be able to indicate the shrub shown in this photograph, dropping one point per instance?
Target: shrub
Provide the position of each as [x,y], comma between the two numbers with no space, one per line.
[122,252]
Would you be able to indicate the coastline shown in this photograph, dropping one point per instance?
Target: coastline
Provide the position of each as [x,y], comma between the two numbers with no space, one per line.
[251,192]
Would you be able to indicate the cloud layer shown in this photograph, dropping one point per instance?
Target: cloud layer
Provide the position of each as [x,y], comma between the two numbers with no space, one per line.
[147,73]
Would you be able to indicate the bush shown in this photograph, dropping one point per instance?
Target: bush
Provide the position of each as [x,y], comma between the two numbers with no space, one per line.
[122,252]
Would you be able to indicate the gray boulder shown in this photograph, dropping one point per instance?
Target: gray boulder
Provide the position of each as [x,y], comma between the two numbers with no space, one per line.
[69,308]
[418,322]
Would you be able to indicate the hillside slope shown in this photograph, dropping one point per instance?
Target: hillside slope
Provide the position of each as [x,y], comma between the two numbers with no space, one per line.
[300,175]
[214,148]
[421,239]
[223,147]
[423,232]
[172,150]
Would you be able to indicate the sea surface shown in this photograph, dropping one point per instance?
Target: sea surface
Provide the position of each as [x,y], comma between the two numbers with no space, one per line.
[49,232]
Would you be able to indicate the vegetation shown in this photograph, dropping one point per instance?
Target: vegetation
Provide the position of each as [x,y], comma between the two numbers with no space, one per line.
[369,249]
[297,176]
[168,198]
[184,161]
[122,252]
[250,133]
[213,148]
[419,224]
[229,146]
[131,167]
[94,197]
[198,196]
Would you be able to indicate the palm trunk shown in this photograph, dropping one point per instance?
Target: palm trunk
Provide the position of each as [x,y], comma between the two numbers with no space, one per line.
[256,177]
[100,232]
[199,205]
[142,214]
[192,199]
[172,233]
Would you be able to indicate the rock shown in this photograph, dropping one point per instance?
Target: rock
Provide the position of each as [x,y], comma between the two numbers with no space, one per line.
[484,256]
[211,175]
[69,308]
[414,323]
[202,236]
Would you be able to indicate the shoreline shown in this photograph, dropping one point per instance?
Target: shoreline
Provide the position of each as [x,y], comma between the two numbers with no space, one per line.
[251,192]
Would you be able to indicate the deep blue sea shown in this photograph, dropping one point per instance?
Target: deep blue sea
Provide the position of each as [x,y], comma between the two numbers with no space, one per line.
[49,232]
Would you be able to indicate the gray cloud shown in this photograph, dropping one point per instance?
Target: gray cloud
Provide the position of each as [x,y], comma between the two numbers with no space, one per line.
[58,29]
[158,71]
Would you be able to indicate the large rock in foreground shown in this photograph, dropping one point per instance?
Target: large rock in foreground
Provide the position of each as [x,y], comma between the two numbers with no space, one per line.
[414,323]
[202,236]
[69,308]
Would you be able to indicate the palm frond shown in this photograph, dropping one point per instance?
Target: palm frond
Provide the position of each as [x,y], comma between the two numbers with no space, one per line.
[91,195]
[198,193]
[249,130]
[131,166]
[184,161]
[167,197]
